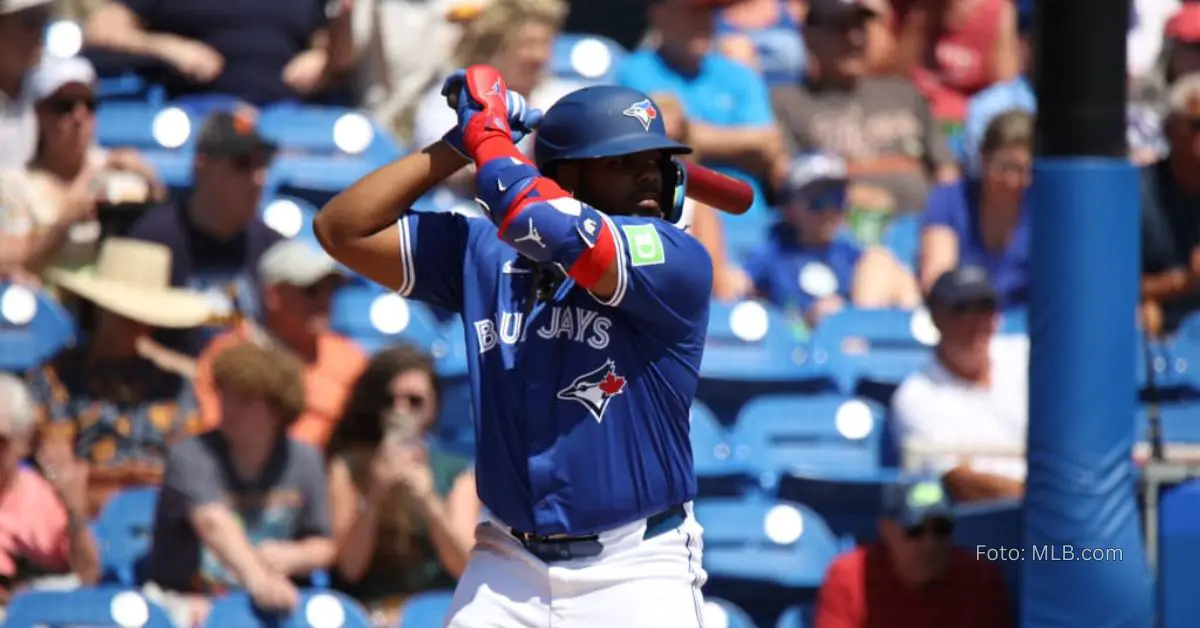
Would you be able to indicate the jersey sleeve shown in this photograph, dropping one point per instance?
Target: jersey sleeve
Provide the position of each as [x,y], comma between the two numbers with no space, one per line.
[664,275]
[433,251]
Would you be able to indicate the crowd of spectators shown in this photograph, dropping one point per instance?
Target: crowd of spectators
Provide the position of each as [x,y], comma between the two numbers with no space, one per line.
[207,365]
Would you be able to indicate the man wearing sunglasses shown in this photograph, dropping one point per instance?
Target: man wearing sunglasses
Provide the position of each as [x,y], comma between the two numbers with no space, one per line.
[298,281]
[881,125]
[215,234]
[812,269]
[912,576]
[22,28]
[964,415]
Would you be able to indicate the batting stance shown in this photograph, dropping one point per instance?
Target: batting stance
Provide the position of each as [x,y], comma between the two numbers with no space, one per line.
[586,307]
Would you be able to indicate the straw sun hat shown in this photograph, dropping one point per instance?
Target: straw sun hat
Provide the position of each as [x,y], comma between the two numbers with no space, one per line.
[132,278]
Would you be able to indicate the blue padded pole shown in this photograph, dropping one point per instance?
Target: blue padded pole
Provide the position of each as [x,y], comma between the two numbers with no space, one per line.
[1084,561]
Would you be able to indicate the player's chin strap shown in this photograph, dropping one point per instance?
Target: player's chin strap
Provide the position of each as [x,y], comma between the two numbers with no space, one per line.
[674,189]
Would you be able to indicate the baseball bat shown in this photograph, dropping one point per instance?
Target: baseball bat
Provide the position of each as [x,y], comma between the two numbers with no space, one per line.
[704,185]
[719,191]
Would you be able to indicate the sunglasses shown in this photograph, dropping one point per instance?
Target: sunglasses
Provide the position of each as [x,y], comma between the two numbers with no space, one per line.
[939,528]
[412,400]
[64,106]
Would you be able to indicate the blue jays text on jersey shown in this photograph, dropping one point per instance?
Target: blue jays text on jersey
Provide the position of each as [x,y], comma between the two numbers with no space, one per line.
[581,403]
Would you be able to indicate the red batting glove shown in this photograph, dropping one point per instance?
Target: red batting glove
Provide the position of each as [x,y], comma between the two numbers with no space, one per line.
[483,108]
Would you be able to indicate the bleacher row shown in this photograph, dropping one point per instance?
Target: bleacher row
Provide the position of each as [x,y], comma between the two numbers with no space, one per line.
[790,432]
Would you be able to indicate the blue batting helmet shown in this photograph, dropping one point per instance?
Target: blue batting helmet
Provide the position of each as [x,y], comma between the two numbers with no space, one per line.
[610,121]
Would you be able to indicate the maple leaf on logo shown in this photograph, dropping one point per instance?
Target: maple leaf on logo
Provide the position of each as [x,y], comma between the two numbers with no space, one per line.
[612,384]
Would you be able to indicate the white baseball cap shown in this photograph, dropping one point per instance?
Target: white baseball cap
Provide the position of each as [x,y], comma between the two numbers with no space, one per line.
[295,263]
[13,6]
[53,73]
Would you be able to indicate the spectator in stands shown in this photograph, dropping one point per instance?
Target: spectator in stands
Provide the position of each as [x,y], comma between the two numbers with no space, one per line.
[48,207]
[984,106]
[964,416]
[221,51]
[765,35]
[727,104]
[1170,210]
[216,236]
[808,266]
[984,221]
[119,404]
[43,516]
[298,281]
[879,124]
[22,29]
[517,38]
[243,505]
[954,48]
[404,511]
[912,577]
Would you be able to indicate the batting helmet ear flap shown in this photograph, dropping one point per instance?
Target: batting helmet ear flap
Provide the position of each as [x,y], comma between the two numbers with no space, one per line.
[674,190]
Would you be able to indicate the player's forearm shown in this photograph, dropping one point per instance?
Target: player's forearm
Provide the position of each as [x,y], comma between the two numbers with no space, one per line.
[377,200]
[537,217]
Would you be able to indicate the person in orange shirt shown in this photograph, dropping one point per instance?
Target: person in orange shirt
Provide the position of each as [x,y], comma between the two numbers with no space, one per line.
[297,282]
[913,577]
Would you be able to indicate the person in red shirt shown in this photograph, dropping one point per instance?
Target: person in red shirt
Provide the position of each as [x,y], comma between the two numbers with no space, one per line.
[912,576]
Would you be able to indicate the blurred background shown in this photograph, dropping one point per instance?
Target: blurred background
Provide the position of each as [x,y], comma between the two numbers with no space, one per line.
[861,424]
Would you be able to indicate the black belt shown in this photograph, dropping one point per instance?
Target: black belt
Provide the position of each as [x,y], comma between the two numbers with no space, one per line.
[557,548]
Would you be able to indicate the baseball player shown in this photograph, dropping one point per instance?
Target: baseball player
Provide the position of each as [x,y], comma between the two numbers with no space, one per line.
[585,306]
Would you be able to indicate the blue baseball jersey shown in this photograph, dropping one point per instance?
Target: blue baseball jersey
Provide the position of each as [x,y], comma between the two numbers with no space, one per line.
[581,403]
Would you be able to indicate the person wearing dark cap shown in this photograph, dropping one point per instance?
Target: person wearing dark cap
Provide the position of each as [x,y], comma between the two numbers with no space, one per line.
[880,124]
[964,415]
[727,104]
[808,266]
[913,577]
[216,236]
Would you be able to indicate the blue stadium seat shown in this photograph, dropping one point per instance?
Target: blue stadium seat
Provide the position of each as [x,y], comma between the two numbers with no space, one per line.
[289,216]
[1014,321]
[174,167]
[1164,365]
[589,58]
[874,350]
[100,606]
[1178,553]
[795,617]
[822,433]
[316,608]
[719,612]
[376,318]
[903,238]
[33,328]
[849,503]
[746,233]
[1180,422]
[125,531]
[718,472]
[144,125]
[764,541]
[427,610]
[327,131]
[756,342]
[315,178]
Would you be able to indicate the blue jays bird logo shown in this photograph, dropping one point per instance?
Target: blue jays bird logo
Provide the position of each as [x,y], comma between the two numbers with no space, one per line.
[595,389]
[643,112]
